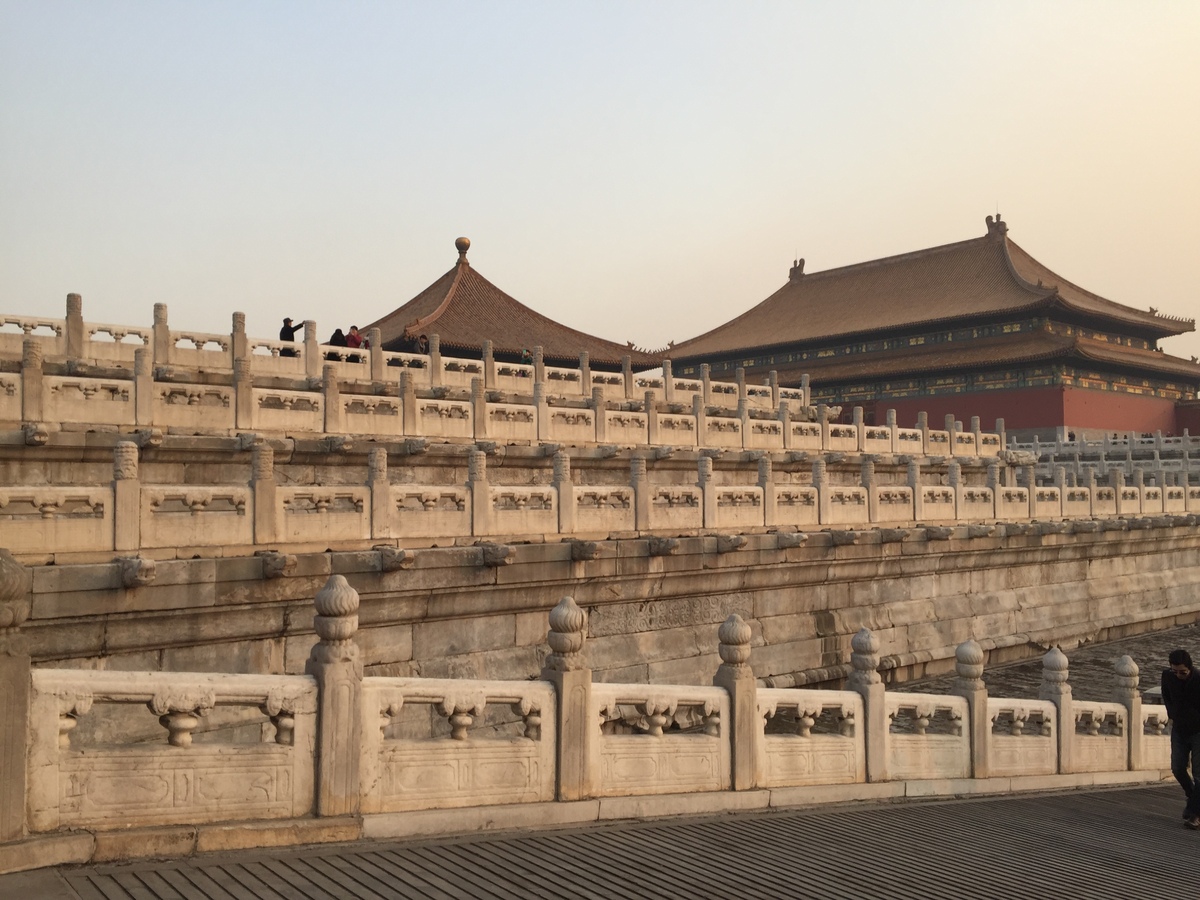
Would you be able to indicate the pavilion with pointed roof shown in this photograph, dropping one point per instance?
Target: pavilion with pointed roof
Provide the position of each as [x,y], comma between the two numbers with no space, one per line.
[977,327]
[465,310]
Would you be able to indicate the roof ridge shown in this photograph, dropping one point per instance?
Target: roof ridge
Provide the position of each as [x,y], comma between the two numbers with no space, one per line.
[899,257]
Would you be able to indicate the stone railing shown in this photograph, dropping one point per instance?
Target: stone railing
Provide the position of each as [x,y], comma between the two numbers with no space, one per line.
[335,744]
[127,514]
[75,374]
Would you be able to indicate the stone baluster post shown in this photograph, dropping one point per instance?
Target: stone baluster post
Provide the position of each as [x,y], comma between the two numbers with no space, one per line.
[955,482]
[978,432]
[1089,481]
[262,483]
[806,391]
[479,410]
[868,482]
[375,340]
[336,665]
[1056,688]
[585,374]
[969,685]
[823,422]
[739,376]
[1116,480]
[766,482]
[773,384]
[331,397]
[642,496]
[708,492]
[410,422]
[866,681]
[243,394]
[15,666]
[743,417]
[737,678]
[489,365]
[651,407]
[481,495]
[161,336]
[566,492]
[860,430]
[627,375]
[668,381]
[435,361]
[820,480]
[127,498]
[143,388]
[312,356]
[239,346]
[576,728]
[1139,482]
[918,495]
[951,427]
[32,381]
[892,434]
[995,483]
[1000,430]
[541,411]
[599,408]
[539,366]
[700,413]
[706,383]
[1029,474]
[76,334]
[1126,692]
[381,493]
[784,414]
[923,427]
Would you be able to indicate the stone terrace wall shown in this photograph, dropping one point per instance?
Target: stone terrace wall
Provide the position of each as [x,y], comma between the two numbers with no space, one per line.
[654,603]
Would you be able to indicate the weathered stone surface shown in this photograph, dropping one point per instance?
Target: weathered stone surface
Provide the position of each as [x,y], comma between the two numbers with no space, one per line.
[45,850]
[432,640]
[144,843]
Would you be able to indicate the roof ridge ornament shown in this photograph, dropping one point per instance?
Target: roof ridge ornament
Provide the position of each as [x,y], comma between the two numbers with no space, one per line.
[996,229]
[797,271]
[462,245]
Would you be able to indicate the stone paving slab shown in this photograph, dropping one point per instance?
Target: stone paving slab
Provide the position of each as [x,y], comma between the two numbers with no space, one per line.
[1128,844]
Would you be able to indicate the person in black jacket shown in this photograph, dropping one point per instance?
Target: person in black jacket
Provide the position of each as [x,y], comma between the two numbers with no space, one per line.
[1181,694]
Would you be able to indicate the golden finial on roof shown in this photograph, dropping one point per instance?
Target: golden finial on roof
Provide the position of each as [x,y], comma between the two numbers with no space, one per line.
[462,245]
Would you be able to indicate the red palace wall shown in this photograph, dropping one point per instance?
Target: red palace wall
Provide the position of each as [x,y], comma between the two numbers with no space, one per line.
[1041,409]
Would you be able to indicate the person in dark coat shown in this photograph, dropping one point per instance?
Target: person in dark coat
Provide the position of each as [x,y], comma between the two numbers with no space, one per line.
[288,333]
[1181,695]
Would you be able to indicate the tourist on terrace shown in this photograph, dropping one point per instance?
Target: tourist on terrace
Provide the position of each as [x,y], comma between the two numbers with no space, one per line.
[354,340]
[288,333]
[1181,694]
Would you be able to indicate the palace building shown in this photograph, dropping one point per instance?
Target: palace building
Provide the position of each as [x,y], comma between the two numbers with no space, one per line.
[977,327]
[468,313]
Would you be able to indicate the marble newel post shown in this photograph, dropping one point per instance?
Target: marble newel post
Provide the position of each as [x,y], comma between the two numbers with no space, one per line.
[127,495]
[572,679]
[1125,692]
[968,662]
[335,664]
[1056,689]
[14,695]
[866,681]
[737,678]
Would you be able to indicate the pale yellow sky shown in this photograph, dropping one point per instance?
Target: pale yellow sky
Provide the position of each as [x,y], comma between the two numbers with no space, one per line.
[642,171]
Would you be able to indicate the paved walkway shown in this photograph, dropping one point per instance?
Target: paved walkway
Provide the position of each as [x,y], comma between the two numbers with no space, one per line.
[1124,844]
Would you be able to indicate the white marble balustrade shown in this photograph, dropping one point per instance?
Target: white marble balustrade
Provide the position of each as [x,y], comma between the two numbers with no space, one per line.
[176,779]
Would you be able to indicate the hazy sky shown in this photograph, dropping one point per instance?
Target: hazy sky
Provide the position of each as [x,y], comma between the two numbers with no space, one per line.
[641,170]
